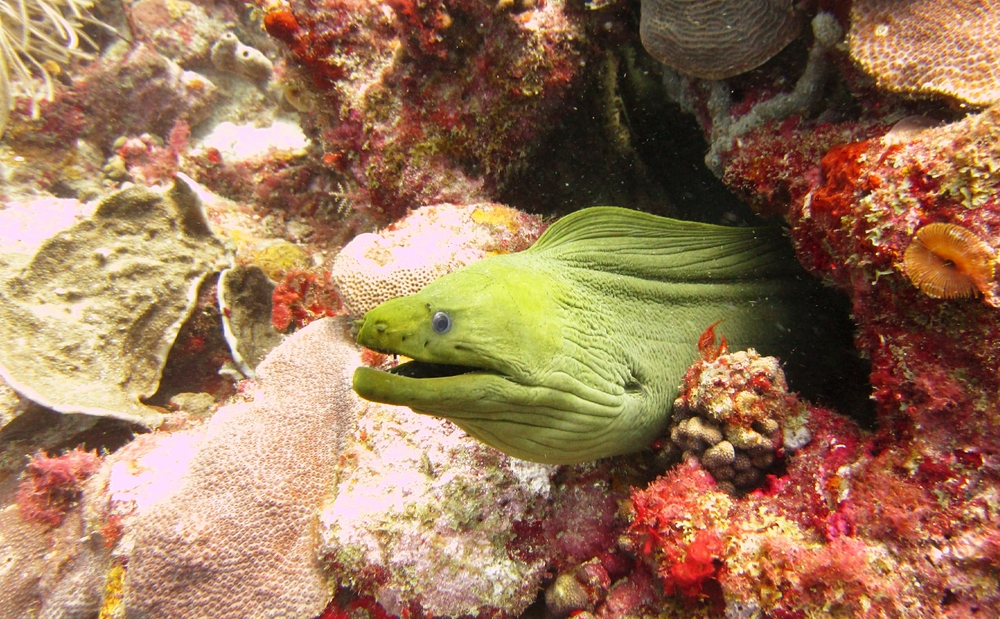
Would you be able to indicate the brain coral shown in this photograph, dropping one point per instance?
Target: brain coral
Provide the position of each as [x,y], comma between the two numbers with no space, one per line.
[930,47]
[716,39]
[429,242]
[237,538]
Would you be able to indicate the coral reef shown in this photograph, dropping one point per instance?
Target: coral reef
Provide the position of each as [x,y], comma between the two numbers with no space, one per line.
[105,300]
[429,242]
[293,498]
[855,514]
[429,102]
[800,546]
[716,39]
[927,48]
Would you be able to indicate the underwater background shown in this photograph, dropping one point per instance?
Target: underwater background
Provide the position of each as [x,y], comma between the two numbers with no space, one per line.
[201,200]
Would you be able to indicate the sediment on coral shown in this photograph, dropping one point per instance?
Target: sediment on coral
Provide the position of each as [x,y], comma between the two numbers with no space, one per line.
[105,300]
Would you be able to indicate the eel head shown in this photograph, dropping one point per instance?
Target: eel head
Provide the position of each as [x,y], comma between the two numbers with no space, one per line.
[486,343]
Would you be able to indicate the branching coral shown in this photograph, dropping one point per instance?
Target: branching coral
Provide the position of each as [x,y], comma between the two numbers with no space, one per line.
[36,38]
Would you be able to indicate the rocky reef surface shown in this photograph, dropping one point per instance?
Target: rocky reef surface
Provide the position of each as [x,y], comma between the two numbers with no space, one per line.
[197,197]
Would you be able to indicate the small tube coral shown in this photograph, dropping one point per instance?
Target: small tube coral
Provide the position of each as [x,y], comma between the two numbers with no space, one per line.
[231,55]
[947,261]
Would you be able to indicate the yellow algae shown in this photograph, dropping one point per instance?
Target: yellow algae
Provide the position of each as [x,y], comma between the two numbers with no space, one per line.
[114,592]
[278,258]
[496,216]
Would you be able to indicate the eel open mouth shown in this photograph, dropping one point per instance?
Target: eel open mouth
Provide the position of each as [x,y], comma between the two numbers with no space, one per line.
[423,369]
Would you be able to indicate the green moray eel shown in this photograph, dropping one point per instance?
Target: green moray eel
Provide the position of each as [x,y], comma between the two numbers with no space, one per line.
[575,349]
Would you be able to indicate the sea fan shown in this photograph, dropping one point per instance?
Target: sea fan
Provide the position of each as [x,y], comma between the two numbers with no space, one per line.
[37,37]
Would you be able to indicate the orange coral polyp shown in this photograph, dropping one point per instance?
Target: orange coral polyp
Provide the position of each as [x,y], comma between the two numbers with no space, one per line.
[947,261]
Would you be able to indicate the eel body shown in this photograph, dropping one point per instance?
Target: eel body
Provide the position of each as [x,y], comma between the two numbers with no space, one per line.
[575,349]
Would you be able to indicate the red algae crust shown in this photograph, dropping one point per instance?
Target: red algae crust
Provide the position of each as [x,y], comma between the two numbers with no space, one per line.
[848,526]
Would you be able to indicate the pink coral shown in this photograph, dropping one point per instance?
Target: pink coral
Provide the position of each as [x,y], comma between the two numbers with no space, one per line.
[236,537]
[429,242]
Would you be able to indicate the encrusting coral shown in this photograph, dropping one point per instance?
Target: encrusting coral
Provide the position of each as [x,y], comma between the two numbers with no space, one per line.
[105,300]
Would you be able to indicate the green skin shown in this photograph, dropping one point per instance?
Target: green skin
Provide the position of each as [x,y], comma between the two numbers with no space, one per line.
[574,350]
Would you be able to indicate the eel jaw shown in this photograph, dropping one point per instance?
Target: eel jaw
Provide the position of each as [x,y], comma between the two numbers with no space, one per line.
[431,388]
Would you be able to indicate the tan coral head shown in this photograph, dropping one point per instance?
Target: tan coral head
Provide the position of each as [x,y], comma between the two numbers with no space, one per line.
[717,39]
[947,261]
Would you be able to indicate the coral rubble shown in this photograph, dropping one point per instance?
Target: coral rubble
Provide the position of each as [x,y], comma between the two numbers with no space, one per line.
[88,322]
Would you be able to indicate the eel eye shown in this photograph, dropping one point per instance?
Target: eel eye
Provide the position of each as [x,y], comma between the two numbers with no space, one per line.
[441,322]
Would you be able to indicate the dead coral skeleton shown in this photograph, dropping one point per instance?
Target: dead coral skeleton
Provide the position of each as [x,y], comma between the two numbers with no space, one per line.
[36,38]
